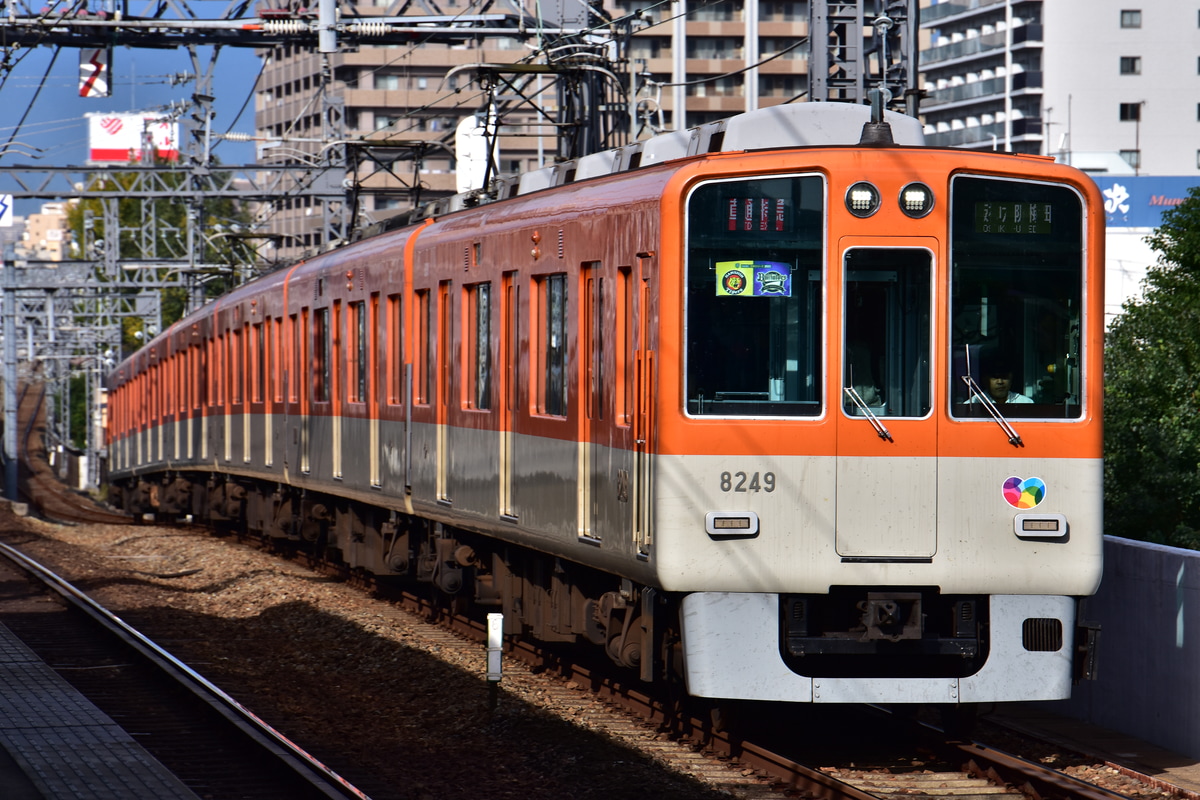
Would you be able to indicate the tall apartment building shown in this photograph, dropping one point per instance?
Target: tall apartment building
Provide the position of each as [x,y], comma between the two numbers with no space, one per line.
[1106,85]
[699,60]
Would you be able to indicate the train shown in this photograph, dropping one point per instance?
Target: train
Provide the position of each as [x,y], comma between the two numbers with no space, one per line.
[785,407]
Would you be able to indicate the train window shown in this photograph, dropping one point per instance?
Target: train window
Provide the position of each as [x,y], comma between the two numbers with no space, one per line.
[395,351]
[887,320]
[276,349]
[356,323]
[321,355]
[479,356]
[552,334]
[623,390]
[424,348]
[592,332]
[237,366]
[753,317]
[258,350]
[1016,282]
[292,375]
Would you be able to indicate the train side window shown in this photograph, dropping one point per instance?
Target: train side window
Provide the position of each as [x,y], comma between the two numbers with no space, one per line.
[356,324]
[222,379]
[183,369]
[395,350]
[292,375]
[755,251]
[237,369]
[552,390]
[623,391]
[424,348]
[1016,282]
[321,355]
[257,362]
[478,363]
[276,360]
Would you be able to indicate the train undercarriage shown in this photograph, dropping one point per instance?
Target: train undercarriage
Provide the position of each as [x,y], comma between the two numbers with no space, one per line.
[541,596]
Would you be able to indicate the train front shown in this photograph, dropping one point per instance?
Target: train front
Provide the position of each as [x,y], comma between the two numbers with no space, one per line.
[879,437]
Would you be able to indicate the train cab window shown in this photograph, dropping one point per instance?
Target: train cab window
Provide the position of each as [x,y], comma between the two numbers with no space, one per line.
[886,335]
[753,316]
[1016,283]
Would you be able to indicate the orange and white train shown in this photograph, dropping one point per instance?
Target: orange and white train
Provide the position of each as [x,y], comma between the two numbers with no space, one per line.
[784,405]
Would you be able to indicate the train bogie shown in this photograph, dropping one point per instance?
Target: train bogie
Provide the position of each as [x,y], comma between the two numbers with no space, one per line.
[827,415]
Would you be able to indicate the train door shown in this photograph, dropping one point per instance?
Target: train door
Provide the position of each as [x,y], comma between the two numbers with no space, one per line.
[369,368]
[444,365]
[305,389]
[510,303]
[887,432]
[593,444]
[643,402]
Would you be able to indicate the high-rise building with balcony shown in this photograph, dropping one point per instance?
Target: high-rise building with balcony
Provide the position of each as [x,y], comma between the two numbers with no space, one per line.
[1110,86]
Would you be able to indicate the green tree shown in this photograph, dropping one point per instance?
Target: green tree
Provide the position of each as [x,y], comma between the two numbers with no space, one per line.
[1152,396]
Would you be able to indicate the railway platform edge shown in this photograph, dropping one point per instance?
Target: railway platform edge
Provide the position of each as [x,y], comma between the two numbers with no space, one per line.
[57,745]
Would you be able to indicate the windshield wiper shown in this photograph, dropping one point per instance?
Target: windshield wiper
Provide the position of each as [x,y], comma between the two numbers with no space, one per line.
[853,394]
[1014,438]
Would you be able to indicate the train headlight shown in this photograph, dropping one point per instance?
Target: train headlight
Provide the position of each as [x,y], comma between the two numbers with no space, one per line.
[916,200]
[862,199]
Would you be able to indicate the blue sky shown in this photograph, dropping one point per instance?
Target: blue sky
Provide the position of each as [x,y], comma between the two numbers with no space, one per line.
[56,122]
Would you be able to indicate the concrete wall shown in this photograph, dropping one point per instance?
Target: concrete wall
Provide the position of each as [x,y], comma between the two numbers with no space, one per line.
[1149,670]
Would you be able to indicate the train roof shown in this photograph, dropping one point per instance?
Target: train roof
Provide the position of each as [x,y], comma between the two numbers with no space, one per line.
[793,125]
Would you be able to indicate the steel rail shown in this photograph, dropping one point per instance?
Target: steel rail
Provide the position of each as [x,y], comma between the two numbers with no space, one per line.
[306,766]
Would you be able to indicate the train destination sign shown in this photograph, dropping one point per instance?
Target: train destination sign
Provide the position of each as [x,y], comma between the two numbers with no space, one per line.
[759,214]
[1013,217]
[754,279]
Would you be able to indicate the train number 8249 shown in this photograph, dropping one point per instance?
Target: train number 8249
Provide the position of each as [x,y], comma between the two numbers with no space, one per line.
[747,482]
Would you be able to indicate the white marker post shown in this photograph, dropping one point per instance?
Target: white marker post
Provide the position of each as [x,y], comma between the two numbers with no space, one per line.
[495,669]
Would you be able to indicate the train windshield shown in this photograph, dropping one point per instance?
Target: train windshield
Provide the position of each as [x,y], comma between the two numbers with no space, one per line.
[1017,268]
[753,316]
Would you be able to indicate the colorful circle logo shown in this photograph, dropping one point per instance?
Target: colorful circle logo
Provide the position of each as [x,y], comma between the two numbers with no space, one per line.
[1024,493]
[734,281]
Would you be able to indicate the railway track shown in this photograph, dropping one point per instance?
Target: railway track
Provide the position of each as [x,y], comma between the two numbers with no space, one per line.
[742,764]
[216,746]
[37,482]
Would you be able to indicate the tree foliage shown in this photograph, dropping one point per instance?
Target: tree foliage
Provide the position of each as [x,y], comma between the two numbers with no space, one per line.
[1152,396]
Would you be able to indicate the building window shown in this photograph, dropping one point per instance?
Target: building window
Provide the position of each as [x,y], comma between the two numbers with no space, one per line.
[1131,65]
[1132,157]
[1198,159]
[1131,18]
[1131,112]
